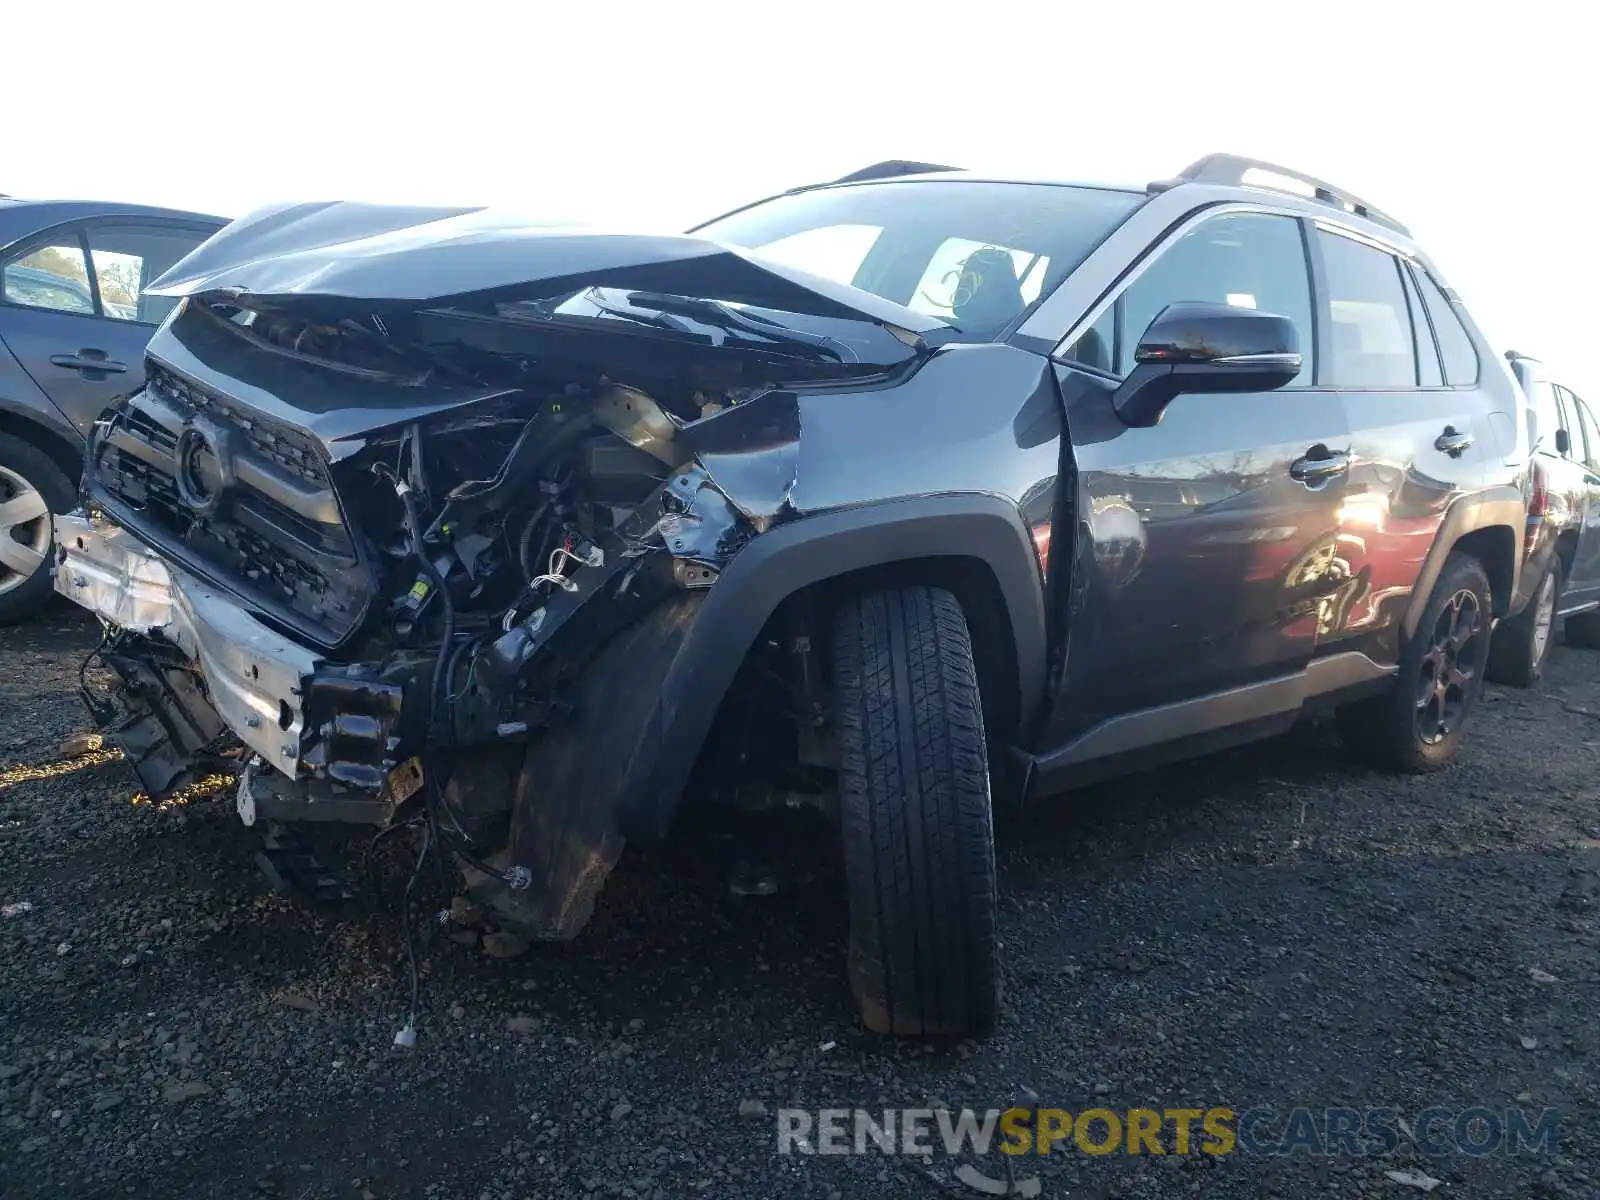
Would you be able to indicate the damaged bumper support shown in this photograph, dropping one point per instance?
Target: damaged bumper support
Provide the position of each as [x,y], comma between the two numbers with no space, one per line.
[198,671]
[336,742]
[252,677]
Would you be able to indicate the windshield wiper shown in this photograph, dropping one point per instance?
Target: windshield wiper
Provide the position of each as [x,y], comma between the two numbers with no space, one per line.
[550,310]
[724,316]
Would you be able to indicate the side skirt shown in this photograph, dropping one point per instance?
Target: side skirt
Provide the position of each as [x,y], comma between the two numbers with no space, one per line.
[1171,732]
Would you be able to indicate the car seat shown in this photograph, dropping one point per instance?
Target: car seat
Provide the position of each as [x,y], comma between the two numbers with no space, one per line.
[988,294]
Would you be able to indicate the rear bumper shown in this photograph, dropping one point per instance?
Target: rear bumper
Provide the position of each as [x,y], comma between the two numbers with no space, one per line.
[253,675]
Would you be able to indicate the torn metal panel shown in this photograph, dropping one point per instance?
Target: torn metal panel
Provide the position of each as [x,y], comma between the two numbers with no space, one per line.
[699,522]
[639,421]
[110,572]
[751,452]
[210,358]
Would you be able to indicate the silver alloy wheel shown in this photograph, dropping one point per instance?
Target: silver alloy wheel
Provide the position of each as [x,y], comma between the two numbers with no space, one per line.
[1544,617]
[24,530]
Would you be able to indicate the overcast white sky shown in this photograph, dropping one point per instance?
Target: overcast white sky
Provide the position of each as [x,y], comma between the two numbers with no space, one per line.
[1475,125]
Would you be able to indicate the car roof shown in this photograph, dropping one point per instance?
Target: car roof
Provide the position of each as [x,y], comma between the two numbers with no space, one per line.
[22,218]
[955,174]
[1217,174]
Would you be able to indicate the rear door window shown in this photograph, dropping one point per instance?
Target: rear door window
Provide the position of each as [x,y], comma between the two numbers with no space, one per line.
[1455,343]
[128,257]
[1369,323]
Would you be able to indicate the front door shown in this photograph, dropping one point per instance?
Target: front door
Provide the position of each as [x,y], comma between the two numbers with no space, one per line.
[1209,553]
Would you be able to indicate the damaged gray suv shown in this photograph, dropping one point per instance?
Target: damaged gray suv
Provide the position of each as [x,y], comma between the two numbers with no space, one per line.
[903,495]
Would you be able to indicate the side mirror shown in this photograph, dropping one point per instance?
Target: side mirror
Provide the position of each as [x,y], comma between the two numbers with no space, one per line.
[1200,347]
[1563,441]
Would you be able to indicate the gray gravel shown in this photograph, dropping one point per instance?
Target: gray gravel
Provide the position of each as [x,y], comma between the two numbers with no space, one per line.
[1267,927]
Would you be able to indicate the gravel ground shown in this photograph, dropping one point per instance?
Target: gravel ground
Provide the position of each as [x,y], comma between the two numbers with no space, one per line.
[1271,927]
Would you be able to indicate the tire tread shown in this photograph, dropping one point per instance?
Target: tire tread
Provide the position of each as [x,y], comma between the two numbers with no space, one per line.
[915,810]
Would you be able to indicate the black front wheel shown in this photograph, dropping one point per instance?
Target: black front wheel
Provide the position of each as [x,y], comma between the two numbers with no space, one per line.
[915,809]
[1419,723]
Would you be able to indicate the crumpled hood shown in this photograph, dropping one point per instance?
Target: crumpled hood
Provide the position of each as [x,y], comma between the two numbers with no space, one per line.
[347,255]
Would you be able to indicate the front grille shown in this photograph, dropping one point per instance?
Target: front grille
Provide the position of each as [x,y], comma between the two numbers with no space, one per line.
[278,444]
[144,426]
[273,537]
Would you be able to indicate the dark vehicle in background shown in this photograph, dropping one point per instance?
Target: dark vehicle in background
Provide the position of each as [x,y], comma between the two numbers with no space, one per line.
[1561,575]
[890,496]
[74,320]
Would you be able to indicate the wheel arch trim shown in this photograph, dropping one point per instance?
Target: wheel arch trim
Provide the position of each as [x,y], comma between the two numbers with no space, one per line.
[810,551]
[1502,508]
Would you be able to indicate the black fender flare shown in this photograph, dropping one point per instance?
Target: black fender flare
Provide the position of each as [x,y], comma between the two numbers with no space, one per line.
[1500,507]
[794,556]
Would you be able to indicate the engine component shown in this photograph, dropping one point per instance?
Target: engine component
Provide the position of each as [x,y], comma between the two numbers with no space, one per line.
[620,474]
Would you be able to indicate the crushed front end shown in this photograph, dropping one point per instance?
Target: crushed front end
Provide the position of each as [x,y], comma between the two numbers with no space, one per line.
[434,560]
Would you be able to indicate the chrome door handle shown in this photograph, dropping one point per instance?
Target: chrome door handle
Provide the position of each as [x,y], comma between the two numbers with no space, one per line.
[1451,442]
[1314,470]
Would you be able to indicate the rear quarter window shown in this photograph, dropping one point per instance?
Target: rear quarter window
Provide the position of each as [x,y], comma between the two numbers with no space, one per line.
[1456,351]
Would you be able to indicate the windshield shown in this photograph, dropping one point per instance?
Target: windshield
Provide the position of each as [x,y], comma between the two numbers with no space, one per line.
[974,254]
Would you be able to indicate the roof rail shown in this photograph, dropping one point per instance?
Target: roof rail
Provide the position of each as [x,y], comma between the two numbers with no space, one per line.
[892,168]
[1232,169]
[889,169]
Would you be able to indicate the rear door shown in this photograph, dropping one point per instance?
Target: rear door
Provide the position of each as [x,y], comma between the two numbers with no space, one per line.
[1418,422]
[76,316]
[1584,450]
[1210,534]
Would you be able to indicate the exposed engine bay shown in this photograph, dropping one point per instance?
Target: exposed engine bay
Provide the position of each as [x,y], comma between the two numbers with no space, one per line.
[453,511]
